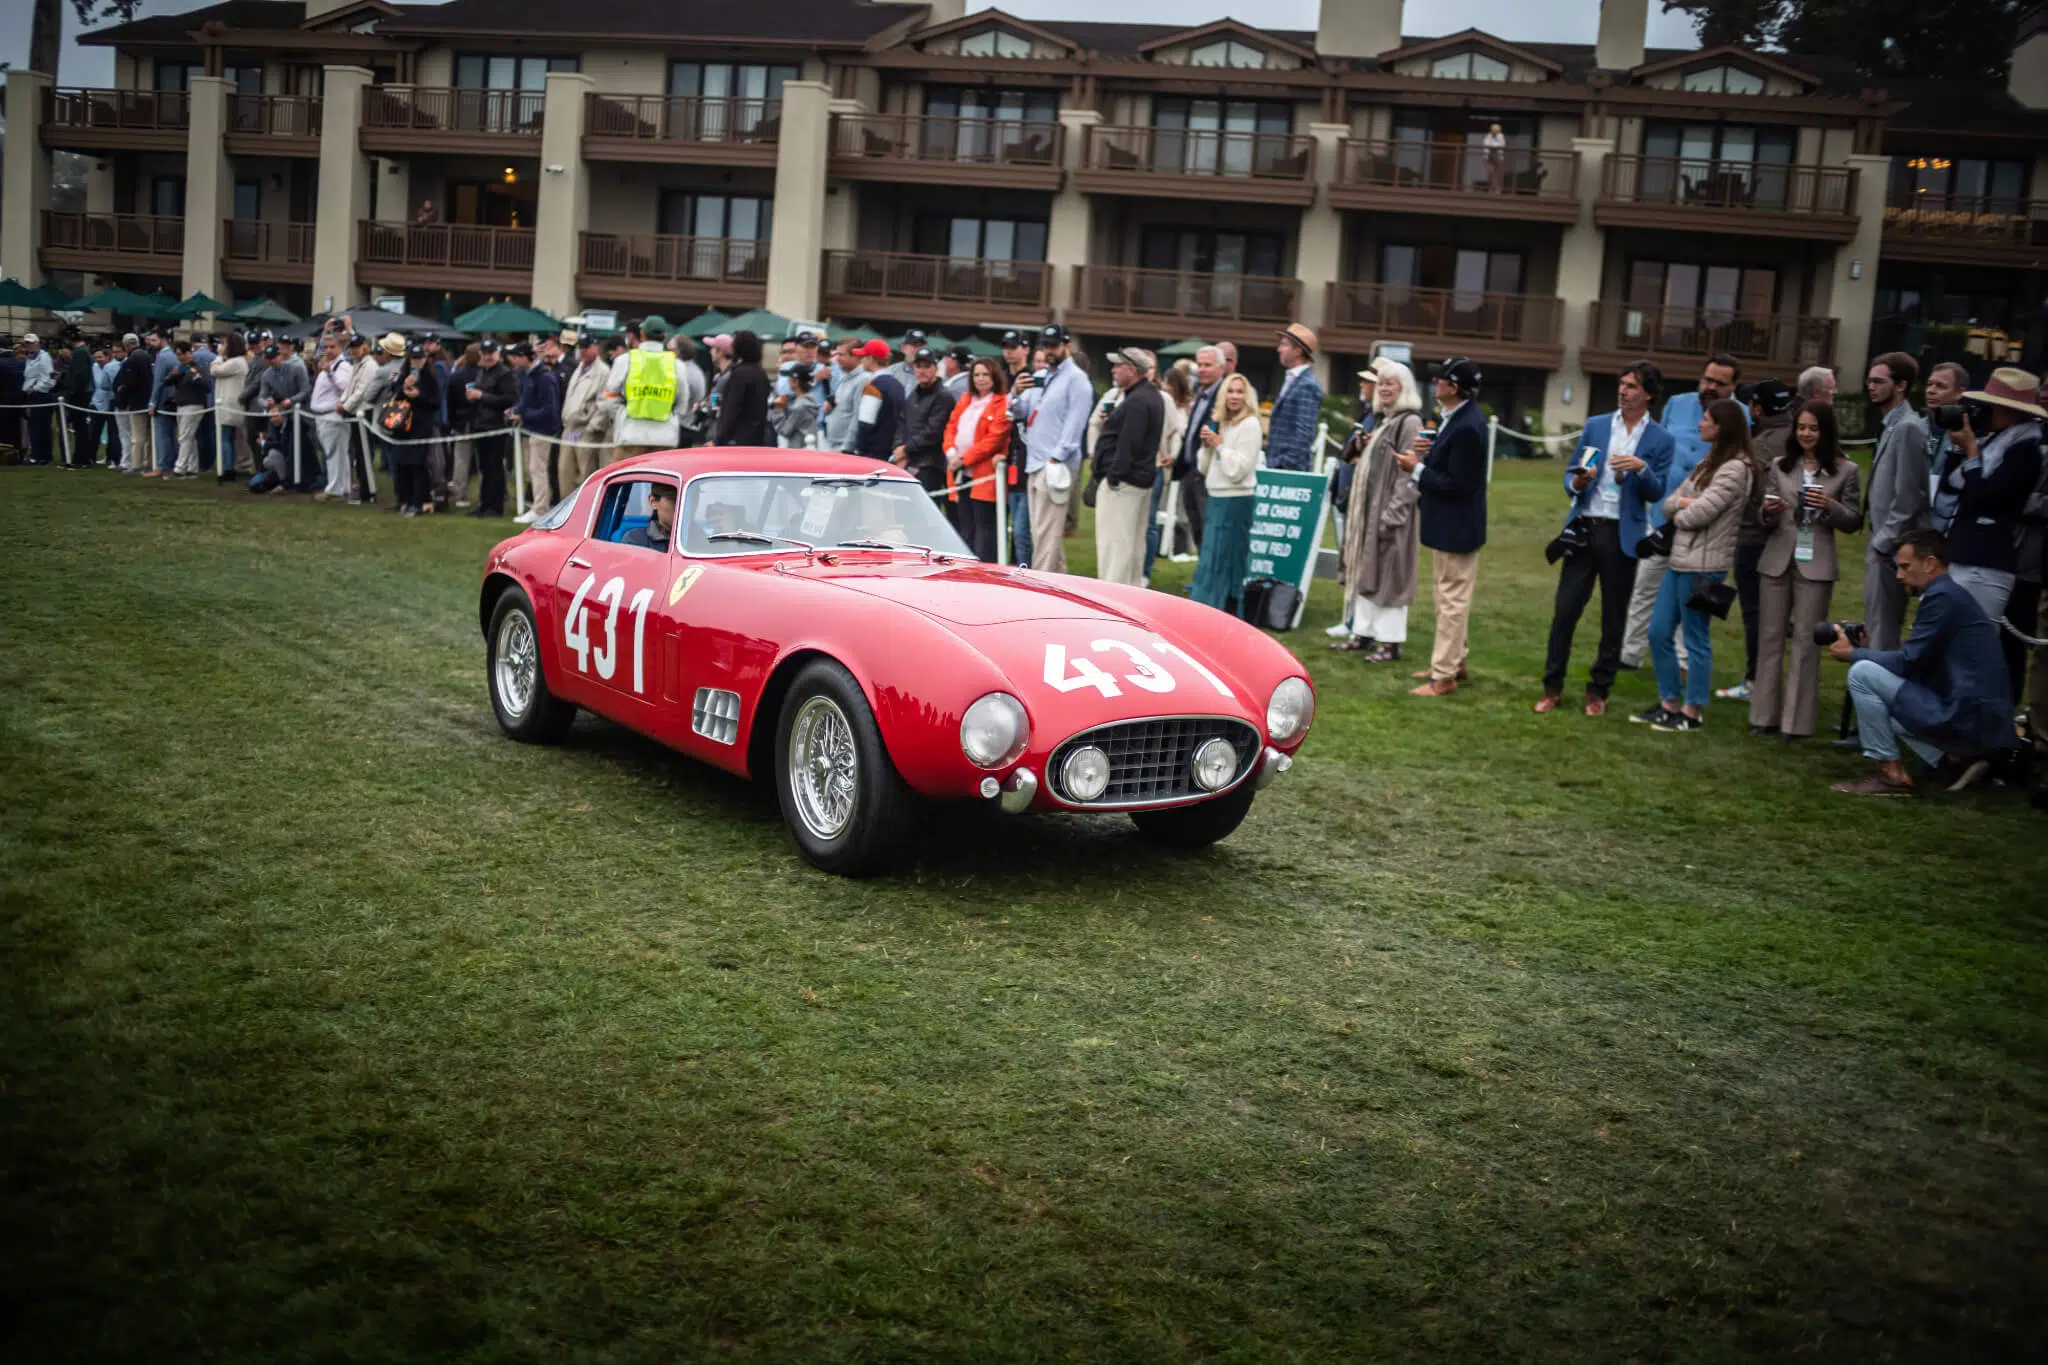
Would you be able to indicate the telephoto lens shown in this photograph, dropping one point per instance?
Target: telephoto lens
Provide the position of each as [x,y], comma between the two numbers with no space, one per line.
[1824,633]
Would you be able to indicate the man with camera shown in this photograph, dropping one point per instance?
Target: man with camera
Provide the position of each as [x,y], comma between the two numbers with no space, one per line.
[1682,419]
[1449,469]
[1943,693]
[1617,478]
[1984,479]
[1895,504]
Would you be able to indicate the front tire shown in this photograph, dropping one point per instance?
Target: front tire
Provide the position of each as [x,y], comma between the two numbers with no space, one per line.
[527,711]
[1192,827]
[844,803]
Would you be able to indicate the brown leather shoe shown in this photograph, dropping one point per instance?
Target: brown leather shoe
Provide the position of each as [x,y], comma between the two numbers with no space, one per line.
[1425,674]
[1875,784]
[1596,706]
[1434,688]
[1547,703]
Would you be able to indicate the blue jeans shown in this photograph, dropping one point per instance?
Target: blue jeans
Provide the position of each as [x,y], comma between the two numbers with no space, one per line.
[1020,527]
[1671,612]
[1152,524]
[1872,687]
[165,440]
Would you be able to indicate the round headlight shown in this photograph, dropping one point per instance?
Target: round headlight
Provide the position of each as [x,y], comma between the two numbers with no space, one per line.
[995,730]
[1215,764]
[1293,706]
[1085,774]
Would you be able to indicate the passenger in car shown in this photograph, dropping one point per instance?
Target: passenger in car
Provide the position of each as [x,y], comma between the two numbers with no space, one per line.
[661,520]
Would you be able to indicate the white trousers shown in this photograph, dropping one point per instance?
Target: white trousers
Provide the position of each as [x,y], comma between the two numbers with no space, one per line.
[1388,625]
[334,441]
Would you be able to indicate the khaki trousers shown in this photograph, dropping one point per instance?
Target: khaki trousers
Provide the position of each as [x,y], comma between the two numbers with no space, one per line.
[1642,604]
[1790,703]
[1120,516]
[139,425]
[189,418]
[537,479]
[1048,526]
[576,463]
[1456,576]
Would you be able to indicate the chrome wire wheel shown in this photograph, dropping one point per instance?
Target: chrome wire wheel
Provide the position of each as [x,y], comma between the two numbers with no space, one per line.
[518,664]
[824,770]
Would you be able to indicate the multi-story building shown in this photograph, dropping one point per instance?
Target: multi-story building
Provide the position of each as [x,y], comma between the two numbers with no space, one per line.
[1550,209]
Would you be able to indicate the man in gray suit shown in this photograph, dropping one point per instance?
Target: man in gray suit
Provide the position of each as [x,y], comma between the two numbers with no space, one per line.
[1895,503]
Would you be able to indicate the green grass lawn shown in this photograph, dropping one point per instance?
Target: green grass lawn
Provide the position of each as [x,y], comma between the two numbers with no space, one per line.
[337,1026]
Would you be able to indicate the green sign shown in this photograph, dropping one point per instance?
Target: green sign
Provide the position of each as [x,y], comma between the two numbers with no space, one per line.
[1288,508]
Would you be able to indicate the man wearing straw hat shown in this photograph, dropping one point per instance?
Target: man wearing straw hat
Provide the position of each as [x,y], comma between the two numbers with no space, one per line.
[1298,408]
[1982,485]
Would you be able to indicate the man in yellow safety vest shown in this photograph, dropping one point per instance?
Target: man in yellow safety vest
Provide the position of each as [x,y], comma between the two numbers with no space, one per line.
[647,389]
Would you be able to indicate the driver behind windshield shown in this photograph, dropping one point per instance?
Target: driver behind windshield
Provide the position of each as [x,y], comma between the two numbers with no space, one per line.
[661,520]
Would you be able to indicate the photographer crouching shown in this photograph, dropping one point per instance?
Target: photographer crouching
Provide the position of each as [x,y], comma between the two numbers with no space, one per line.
[1943,693]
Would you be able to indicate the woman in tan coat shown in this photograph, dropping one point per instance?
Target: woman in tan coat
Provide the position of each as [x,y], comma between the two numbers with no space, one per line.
[1377,562]
[1810,494]
[1705,511]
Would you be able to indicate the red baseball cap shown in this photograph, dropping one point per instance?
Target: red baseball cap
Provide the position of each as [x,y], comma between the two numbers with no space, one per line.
[878,349]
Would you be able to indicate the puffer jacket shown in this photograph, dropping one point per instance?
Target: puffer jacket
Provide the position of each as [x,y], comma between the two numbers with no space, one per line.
[1705,540]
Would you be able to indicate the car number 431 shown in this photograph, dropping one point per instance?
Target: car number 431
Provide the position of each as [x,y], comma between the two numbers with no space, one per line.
[1145,673]
[604,660]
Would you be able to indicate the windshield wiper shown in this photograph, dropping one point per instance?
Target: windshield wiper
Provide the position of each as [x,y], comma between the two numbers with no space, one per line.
[845,480]
[926,550]
[757,538]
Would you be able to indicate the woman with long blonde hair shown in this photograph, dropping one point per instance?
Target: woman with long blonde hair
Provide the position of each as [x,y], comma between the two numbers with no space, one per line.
[1231,441]
[1377,563]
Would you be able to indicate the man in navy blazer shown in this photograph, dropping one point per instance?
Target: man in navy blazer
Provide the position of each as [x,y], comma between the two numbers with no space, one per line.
[1615,482]
[1944,692]
[1450,480]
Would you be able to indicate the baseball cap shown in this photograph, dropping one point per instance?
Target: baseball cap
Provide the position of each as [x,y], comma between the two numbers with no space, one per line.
[962,354]
[914,337]
[1460,372]
[721,342]
[568,336]
[271,352]
[1132,355]
[1772,395]
[1013,337]
[925,356]
[520,348]
[877,348]
[30,338]
[1052,334]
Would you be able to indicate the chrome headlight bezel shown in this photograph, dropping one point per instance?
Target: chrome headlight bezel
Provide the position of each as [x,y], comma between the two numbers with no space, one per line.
[994,730]
[1072,778]
[1211,751]
[1290,710]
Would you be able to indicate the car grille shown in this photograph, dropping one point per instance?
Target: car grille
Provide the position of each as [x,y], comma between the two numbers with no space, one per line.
[1151,761]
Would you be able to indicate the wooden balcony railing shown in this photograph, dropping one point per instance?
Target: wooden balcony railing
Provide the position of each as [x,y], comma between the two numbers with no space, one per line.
[1129,292]
[890,277]
[258,243]
[1752,186]
[948,141]
[451,246]
[109,110]
[1784,339]
[134,234]
[1282,157]
[659,256]
[1967,220]
[678,118]
[1405,312]
[423,108]
[275,115]
[1457,167]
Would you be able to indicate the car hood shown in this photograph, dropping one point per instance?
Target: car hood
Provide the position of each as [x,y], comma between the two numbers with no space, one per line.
[968,594]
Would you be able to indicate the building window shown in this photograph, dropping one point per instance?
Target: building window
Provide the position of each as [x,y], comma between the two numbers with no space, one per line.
[167,196]
[686,213]
[980,239]
[1221,137]
[1720,291]
[1210,252]
[177,75]
[1446,149]
[248,200]
[1226,52]
[728,80]
[994,42]
[1967,184]
[1464,269]
[991,123]
[247,80]
[1469,66]
[1725,80]
[475,71]
[1717,165]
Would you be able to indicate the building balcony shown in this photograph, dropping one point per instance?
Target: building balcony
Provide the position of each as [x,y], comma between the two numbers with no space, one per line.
[1495,329]
[445,256]
[422,118]
[1119,299]
[1456,178]
[104,243]
[936,289]
[1264,168]
[929,149]
[269,253]
[1967,230]
[102,120]
[274,125]
[1756,199]
[1679,339]
[681,130]
[721,272]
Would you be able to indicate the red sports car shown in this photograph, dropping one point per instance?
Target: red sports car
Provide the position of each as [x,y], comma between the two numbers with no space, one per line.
[815,617]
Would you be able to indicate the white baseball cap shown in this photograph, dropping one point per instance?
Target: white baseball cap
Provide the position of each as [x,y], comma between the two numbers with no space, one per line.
[1059,481]
[30,338]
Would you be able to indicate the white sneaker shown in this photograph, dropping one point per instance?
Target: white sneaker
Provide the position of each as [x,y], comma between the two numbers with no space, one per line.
[525,518]
[1739,692]
[1338,631]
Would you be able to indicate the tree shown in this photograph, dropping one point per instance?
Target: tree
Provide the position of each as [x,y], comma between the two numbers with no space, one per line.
[1958,40]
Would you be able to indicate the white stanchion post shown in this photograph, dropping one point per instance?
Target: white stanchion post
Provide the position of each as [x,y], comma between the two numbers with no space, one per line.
[64,427]
[298,477]
[519,471]
[223,453]
[1492,437]
[1002,509]
[1170,522]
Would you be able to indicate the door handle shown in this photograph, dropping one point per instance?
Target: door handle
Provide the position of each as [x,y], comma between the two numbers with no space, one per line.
[575,563]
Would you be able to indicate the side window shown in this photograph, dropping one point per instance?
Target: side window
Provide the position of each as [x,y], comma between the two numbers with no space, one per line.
[627,514]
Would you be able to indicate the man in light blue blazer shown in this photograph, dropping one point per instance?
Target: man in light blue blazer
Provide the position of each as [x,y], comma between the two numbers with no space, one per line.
[1615,482]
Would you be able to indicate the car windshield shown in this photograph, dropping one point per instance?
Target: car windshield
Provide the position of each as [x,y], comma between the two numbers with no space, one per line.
[797,510]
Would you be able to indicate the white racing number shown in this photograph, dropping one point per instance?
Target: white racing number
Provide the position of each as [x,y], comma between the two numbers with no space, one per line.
[576,629]
[1148,675]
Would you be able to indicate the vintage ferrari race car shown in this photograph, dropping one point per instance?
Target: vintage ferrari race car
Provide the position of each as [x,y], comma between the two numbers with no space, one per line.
[814,618]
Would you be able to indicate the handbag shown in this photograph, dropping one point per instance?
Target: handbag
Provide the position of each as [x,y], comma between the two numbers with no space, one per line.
[396,419]
[1269,603]
[1712,599]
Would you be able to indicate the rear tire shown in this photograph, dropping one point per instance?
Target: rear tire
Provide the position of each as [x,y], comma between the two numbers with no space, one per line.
[1192,827]
[844,802]
[526,710]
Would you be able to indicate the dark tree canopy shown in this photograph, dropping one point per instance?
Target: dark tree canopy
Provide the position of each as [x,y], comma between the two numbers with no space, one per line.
[1964,40]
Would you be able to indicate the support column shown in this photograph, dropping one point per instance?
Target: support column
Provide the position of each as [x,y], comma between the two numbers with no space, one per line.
[842,197]
[344,189]
[24,178]
[209,185]
[795,259]
[1318,255]
[1072,224]
[1581,256]
[1852,291]
[563,210]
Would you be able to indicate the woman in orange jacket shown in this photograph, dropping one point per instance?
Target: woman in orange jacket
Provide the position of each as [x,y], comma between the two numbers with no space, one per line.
[977,432]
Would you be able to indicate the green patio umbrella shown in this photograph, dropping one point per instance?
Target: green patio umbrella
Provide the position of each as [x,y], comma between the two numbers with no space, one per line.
[1181,349]
[978,347]
[761,323]
[506,316]
[50,297]
[199,303]
[15,294]
[115,299]
[159,305]
[710,322]
[263,310]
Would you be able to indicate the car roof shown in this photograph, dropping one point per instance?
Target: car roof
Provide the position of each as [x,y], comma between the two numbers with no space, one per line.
[757,460]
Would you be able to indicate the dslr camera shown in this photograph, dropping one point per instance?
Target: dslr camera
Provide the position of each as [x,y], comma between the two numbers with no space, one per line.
[1571,542]
[1657,544]
[1853,631]
[1951,416]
